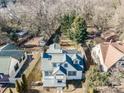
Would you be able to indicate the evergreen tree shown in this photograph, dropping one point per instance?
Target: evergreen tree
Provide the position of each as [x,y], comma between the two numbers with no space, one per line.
[79,28]
[13,36]
[74,27]
[56,39]
[18,87]
[66,22]
[10,90]
[24,84]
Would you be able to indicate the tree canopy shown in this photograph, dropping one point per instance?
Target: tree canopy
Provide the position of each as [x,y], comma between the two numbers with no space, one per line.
[75,27]
[96,78]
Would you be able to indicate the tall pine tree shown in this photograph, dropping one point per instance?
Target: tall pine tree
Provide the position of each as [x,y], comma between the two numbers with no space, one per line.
[18,87]
[24,84]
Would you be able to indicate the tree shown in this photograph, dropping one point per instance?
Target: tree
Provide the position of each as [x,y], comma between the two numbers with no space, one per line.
[22,87]
[79,28]
[13,36]
[10,90]
[24,84]
[56,39]
[18,87]
[66,22]
[96,78]
[74,27]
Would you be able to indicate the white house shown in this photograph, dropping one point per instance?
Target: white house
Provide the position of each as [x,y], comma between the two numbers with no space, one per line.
[11,61]
[109,56]
[59,65]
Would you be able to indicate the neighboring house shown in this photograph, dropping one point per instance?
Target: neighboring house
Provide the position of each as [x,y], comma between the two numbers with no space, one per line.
[109,35]
[109,56]
[11,61]
[60,65]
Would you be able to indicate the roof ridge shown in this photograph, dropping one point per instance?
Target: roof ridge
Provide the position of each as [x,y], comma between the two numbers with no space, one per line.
[104,44]
[110,47]
[107,52]
[118,49]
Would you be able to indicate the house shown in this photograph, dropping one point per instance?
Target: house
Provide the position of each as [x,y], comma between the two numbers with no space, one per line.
[11,61]
[109,56]
[109,35]
[59,65]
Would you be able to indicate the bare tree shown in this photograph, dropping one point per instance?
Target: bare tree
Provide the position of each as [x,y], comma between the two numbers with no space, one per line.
[41,16]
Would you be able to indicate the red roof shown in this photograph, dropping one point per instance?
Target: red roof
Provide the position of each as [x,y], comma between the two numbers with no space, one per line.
[111,52]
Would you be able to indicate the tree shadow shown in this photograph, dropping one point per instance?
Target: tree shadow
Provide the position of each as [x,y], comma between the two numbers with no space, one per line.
[75,83]
[51,39]
[89,58]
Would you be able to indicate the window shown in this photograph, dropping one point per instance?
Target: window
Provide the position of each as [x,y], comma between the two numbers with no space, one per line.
[48,73]
[54,65]
[59,81]
[71,73]
[65,65]
[16,66]
[76,61]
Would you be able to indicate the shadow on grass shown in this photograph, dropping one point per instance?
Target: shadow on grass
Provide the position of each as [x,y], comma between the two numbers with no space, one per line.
[89,58]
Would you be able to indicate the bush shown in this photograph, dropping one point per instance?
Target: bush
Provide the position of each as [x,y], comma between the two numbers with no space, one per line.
[96,78]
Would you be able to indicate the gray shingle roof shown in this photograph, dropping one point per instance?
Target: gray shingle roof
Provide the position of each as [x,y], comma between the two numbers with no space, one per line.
[12,53]
[11,50]
[5,65]
[6,53]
